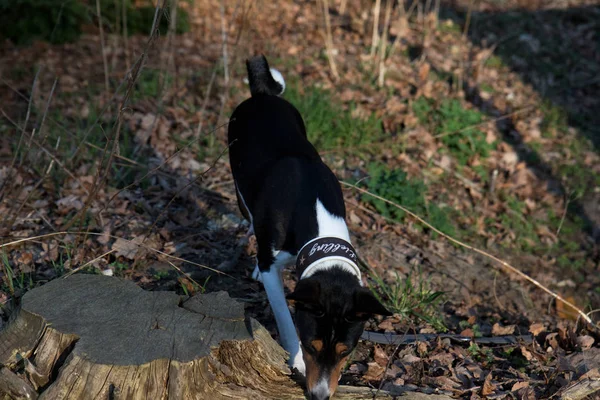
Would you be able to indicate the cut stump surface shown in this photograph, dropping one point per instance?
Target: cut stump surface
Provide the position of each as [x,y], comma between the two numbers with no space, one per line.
[98,337]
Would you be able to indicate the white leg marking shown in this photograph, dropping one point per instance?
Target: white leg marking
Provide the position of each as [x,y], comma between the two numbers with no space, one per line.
[330,225]
[256,274]
[282,259]
[287,331]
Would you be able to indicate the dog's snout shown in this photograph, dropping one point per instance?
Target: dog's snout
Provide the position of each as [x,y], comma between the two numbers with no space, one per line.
[318,396]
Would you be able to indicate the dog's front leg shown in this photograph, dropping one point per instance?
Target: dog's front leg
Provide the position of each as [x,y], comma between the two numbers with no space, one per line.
[272,279]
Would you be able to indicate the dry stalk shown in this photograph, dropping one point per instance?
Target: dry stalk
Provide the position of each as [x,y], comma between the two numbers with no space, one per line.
[205,102]
[224,43]
[329,41]
[384,42]
[104,61]
[468,20]
[187,185]
[46,109]
[500,118]
[20,143]
[502,263]
[343,5]
[157,168]
[78,233]
[375,36]
[82,266]
[106,162]
[125,33]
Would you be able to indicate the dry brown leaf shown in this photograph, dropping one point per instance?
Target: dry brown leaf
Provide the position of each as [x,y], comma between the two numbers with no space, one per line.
[380,356]
[488,387]
[374,372]
[585,341]
[498,330]
[526,353]
[128,248]
[536,329]
[518,386]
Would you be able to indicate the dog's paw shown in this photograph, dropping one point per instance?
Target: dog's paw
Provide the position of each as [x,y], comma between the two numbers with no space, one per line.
[256,275]
[296,362]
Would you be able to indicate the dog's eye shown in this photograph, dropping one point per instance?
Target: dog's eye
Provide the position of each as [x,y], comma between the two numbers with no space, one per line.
[319,313]
[350,319]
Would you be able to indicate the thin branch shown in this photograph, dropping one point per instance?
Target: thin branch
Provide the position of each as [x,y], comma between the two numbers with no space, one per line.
[329,41]
[104,60]
[504,264]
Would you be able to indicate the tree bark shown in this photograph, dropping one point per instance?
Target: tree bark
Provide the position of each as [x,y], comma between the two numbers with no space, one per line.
[98,337]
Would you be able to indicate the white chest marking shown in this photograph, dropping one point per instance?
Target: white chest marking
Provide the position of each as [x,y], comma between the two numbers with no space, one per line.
[331,225]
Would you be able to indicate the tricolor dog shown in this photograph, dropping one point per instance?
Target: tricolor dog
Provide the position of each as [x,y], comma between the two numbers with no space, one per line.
[296,210]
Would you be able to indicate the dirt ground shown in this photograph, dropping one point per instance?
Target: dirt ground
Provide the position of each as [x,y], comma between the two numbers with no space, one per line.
[145,191]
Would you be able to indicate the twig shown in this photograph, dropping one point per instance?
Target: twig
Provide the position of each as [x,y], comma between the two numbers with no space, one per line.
[500,118]
[384,40]
[205,102]
[76,270]
[224,43]
[504,264]
[23,129]
[187,185]
[394,338]
[79,233]
[564,215]
[329,40]
[46,109]
[102,174]
[375,37]
[104,60]
[464,180]
[468,21]
[125,33]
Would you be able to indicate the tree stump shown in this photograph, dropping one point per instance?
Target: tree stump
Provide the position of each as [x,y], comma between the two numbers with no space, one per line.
[98,337]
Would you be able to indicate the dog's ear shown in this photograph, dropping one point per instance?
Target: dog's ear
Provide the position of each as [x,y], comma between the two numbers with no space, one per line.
[366,304]
[307,292]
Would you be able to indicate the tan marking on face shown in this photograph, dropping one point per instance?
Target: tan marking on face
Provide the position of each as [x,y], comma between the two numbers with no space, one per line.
[335,374]
[317,344]
[340,348]
[312,370]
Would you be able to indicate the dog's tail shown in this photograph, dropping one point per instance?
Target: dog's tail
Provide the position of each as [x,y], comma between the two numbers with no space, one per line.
[262,79]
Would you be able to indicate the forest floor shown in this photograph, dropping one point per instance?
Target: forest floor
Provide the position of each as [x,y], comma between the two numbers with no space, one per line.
[491,134]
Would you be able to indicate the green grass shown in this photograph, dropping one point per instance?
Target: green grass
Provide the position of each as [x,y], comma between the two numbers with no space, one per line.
[412,298]
[394,185]
[456,126]
[481,354]
[494,61]
[328,124]
[61,21]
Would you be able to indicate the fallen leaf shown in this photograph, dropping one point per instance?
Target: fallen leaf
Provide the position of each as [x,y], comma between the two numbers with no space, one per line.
[585,341]
[128,248]
[536,329]
[380,356]
[488,387]
[374,372]
[498,330]
[518,386]
[526,353]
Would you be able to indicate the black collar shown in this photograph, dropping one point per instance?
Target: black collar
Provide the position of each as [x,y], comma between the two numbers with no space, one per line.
[323,249]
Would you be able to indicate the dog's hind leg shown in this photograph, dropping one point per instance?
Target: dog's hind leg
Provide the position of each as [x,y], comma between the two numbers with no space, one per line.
[272,279]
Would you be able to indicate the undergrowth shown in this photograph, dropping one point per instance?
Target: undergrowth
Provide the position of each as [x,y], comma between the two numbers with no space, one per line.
[394,185]
[411,298]
[456,126]
[328,124]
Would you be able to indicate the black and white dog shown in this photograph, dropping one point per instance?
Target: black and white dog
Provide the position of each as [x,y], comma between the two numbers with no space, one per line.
[296,210]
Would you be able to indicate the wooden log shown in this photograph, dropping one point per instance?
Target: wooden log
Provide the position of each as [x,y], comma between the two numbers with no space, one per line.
[98,337]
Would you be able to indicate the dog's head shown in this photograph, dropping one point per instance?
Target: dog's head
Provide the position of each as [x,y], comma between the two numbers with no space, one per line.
[331,310]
